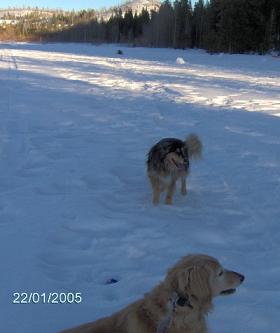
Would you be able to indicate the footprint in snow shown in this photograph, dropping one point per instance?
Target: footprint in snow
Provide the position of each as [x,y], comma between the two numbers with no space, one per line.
[111,281]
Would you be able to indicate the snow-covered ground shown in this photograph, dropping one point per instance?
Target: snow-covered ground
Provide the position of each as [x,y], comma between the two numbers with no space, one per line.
[76,122]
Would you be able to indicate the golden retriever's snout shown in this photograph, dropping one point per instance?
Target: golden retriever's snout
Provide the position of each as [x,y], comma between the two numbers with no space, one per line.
[230,281]
[241,277]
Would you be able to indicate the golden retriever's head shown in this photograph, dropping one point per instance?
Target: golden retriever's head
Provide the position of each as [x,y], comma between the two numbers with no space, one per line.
[199,278]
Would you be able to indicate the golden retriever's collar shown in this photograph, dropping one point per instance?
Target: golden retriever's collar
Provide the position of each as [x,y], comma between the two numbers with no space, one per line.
[173,303]
[183,301]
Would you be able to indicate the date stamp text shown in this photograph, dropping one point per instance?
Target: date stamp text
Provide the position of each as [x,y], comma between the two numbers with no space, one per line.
[47,298]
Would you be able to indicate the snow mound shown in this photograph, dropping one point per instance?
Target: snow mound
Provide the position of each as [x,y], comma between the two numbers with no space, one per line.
[180,61]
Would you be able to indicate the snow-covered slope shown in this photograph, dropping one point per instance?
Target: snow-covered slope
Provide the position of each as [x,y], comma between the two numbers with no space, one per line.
[16,13]
[75,210]
[135,5]
[138,5]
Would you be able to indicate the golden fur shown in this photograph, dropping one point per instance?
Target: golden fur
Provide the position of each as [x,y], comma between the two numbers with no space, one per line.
[195,279]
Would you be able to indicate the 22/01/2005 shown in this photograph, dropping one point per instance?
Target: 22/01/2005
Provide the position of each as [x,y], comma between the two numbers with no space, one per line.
[47,298]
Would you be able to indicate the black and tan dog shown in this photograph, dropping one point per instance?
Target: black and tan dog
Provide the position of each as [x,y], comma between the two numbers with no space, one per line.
[168,160]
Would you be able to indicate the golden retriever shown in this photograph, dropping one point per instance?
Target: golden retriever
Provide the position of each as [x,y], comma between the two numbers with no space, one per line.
[169,160]
[178,304]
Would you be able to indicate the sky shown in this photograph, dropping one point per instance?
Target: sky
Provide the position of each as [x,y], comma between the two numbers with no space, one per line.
[63,4]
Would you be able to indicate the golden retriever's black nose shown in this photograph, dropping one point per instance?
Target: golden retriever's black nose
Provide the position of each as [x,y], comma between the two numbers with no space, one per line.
[242,277]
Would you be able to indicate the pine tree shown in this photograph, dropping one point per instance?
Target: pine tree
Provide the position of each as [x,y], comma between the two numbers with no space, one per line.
[182,24]
[165,25]
[199,24]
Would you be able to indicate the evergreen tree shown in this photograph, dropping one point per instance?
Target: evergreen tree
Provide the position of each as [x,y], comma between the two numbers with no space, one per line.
[182,24]
[199,24]
[216,25]
[166,24]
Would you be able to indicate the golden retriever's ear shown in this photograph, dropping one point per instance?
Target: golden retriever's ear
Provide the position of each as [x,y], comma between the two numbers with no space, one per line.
[199,285]
[192,282]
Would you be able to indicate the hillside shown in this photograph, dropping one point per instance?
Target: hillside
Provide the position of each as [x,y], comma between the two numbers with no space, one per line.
[138,5]
[21,12]
[135,6]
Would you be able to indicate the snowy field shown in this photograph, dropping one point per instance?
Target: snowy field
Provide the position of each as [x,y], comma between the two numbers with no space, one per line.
[76,122]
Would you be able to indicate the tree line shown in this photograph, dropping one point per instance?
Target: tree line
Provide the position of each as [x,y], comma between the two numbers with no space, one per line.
[234,26]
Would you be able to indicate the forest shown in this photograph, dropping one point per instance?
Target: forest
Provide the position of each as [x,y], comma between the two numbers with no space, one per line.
[233,26]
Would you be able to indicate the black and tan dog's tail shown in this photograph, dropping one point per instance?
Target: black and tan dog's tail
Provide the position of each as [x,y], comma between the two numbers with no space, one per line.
[194,146]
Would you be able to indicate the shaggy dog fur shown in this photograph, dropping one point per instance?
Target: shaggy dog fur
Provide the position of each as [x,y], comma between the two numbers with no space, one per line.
[168,160]
[179,304]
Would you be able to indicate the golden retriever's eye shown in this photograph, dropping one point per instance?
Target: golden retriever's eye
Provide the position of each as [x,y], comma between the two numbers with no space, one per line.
[221,273]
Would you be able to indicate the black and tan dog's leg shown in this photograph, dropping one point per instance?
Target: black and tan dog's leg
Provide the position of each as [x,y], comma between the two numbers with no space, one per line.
[170,191]
[156,188]
[183,186]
